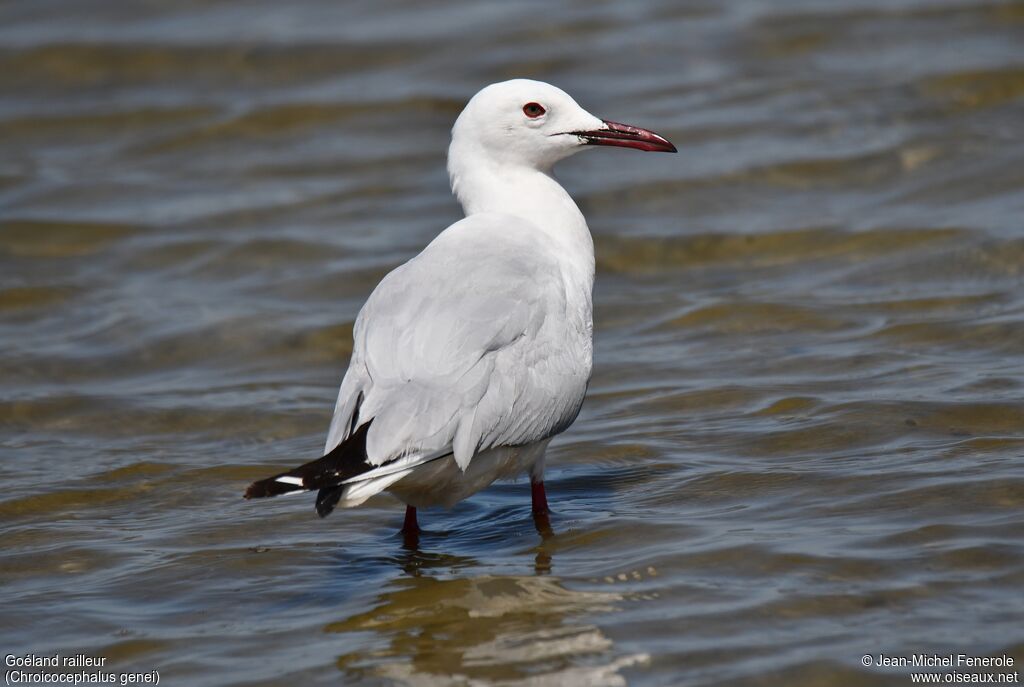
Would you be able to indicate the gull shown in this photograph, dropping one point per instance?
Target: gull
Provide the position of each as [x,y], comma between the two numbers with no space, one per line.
[471,356]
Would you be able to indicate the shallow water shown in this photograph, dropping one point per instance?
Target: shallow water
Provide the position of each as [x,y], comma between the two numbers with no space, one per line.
[804,439]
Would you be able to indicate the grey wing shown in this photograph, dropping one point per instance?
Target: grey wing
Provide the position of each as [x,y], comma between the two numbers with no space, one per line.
[466,347]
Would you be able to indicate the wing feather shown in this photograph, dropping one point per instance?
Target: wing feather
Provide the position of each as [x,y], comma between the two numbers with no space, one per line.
[467,346]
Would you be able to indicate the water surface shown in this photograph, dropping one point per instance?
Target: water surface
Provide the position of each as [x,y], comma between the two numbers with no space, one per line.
[804,439]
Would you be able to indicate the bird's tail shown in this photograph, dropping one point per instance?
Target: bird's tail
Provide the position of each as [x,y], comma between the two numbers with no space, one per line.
[345,461]
[344,475]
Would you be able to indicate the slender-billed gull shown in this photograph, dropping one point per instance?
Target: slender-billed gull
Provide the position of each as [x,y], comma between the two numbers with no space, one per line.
[471,356]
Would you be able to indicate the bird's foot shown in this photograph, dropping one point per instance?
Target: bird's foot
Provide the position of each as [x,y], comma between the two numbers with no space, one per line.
[541,512]
[543,524]
[539,498]
[410,526]
[411,529]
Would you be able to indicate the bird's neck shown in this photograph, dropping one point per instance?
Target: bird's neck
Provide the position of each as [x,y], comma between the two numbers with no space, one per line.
[483,186]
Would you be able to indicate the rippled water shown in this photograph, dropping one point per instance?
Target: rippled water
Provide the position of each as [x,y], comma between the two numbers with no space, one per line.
[804,439]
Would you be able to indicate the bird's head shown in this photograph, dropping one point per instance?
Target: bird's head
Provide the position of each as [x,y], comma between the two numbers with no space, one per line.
[532,123]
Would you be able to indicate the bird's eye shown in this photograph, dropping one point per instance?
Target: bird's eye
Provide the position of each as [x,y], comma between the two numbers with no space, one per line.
[533,110]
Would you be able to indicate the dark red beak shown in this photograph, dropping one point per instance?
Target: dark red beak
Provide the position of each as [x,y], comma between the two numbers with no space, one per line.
[626,136]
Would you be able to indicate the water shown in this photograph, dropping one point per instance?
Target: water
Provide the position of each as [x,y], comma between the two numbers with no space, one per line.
[804,437]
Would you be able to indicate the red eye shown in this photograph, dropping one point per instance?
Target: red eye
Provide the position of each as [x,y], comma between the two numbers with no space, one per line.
[533,110]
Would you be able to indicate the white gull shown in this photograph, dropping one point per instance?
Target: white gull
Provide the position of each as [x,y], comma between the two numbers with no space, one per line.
[471,356]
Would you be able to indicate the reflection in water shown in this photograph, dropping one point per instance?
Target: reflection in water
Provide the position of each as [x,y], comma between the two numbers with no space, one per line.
[486,630]
[542,562]
[413,560]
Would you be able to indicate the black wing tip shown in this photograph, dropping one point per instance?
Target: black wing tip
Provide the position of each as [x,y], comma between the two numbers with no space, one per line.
[327,499]
[269,487]
[344,461]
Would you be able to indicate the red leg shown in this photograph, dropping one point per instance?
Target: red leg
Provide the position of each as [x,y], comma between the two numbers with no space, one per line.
[410,526]
[540,498]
